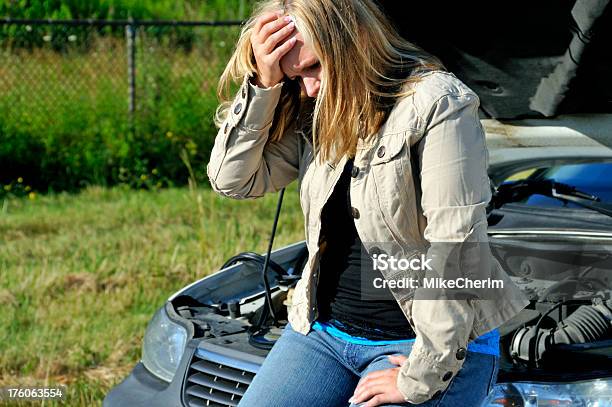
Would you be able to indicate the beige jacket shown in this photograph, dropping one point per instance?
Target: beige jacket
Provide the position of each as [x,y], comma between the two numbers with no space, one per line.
[422,179]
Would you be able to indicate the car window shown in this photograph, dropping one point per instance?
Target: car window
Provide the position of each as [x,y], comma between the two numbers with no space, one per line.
[592,178]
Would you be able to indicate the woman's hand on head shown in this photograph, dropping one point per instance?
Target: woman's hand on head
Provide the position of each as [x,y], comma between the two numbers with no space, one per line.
[269,41]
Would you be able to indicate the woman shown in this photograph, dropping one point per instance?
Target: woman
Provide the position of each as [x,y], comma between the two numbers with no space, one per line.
[391,158]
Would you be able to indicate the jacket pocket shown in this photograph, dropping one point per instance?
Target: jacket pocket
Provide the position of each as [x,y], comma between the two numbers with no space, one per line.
[391,173]
[388,148]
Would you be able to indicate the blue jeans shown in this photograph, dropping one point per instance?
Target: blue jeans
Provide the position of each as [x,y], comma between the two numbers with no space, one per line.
[321,370]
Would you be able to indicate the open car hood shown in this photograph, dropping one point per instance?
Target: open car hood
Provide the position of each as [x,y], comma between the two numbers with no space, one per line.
[523,58]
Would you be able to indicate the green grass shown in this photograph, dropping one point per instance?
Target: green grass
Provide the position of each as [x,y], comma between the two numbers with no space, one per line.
[81,275]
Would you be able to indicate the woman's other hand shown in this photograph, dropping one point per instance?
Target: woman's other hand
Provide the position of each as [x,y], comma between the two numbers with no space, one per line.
[270,43]
[379,387]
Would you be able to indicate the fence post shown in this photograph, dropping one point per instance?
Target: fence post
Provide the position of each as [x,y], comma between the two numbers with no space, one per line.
[130,36]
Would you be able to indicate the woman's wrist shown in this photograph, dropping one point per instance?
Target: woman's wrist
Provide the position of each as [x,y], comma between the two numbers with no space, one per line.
[261,103]
[256,80]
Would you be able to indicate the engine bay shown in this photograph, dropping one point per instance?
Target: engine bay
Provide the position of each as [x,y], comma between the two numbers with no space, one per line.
[564,334]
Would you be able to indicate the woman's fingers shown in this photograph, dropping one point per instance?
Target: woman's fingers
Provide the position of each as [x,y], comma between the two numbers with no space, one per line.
[264,19]
[273,40]
[284,48]
[272,27]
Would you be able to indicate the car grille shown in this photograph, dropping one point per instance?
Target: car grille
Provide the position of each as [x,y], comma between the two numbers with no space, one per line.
[215,384]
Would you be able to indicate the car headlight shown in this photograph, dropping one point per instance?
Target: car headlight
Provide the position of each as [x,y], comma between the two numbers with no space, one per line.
[589,393]
[163,345]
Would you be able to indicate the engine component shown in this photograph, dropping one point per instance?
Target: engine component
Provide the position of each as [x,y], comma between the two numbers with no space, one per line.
[588,323]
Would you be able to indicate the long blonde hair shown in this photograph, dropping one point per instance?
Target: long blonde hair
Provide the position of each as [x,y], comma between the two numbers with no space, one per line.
[366,67]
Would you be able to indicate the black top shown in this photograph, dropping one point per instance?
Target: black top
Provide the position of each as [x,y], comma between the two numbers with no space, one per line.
[342,299]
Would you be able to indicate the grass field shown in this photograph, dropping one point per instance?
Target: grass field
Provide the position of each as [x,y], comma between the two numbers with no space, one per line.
[81,275]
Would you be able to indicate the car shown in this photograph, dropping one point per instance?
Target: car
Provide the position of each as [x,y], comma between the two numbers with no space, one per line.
[543,73]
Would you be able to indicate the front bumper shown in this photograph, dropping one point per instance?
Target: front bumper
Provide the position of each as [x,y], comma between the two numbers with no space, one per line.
[216,371]
[141,388]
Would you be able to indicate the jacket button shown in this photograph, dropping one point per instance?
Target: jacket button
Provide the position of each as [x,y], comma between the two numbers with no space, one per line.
[354,212]
[243,91]
[226,128]
[380,152]
[354,171]
[238,108]
[447,376]
[460,355]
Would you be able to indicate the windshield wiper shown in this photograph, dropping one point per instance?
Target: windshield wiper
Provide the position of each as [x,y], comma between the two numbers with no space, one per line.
[518,190]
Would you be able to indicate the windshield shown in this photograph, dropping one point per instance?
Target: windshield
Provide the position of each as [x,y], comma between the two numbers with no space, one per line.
[592,178]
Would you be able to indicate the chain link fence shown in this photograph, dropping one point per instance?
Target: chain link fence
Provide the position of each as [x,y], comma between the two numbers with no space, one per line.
[105,102]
